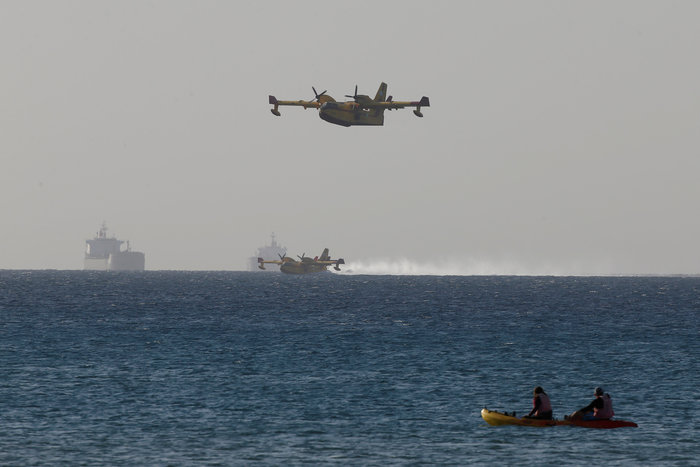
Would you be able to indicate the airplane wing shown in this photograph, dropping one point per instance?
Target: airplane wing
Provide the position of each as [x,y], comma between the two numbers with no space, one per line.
[262,262]
[424,102]
[299,103]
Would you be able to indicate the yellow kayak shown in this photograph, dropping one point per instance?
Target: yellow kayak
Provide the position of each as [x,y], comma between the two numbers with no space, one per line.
[498,418]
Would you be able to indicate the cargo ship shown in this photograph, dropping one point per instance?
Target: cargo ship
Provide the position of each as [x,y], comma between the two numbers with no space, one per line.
[272,251]
[104,253]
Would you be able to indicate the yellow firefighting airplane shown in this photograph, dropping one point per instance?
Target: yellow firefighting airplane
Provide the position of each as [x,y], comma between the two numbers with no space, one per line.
[362,110]
[305,265]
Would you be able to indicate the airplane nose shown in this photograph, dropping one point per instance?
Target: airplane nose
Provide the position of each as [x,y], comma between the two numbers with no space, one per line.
[323,110]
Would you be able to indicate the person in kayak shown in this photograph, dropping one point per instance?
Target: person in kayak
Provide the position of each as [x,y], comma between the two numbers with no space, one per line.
[541,406]
[599,409]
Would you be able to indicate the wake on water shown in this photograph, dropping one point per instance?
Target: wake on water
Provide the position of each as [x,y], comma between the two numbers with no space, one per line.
[407,267]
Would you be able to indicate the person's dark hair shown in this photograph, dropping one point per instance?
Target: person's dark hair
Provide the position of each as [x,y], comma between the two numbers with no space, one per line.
[539,390]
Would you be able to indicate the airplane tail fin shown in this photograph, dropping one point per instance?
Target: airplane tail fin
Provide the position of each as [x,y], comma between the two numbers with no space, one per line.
[381,93]
[325,256]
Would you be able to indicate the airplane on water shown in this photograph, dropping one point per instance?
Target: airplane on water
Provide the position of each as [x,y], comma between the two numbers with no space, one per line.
[305,265]
[362,110]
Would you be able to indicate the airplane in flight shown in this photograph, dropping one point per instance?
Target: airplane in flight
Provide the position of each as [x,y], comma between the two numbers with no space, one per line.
[305,265]
[361,110]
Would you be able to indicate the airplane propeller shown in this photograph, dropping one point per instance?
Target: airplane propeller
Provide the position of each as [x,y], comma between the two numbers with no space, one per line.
[354,96]
[317,94]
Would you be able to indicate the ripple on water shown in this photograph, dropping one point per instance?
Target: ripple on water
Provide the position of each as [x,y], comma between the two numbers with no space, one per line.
[236,368]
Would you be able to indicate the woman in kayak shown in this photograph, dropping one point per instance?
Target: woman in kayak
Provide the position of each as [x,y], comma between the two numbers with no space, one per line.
[541,406]
[599,409]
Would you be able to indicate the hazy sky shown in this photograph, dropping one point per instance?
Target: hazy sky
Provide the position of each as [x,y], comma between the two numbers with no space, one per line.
[563,136]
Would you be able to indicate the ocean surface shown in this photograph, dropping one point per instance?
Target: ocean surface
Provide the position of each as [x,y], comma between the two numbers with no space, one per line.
[237,368]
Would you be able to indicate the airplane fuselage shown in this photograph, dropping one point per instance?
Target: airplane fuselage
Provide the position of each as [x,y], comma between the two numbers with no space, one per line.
[349,114]
[294,267]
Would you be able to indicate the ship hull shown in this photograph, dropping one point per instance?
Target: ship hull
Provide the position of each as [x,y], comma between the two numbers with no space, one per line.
[122,261]
[95,264]
[127,261]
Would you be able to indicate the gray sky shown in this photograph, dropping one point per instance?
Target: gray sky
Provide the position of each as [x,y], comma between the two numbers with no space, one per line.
[563,137]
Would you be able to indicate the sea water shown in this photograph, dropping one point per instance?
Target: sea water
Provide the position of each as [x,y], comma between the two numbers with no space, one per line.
[226,368]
